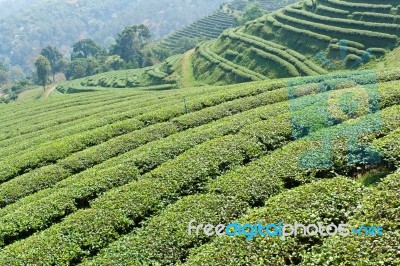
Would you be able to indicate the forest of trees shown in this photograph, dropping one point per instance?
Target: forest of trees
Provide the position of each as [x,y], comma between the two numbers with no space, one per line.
[132,49]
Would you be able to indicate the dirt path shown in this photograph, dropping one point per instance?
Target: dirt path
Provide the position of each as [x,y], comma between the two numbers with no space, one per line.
[49,91]
[187,70]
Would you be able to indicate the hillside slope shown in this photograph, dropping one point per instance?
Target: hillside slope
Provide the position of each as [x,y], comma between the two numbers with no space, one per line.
[113,177]
[8,8]
[207,28]
[291,42]
[213,25]
[169,72]
[301,40]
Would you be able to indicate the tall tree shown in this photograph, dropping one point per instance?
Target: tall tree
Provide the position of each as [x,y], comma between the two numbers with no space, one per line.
[82,67]
[113,62]
[43,69]
[85,48]
[3,74]
[54,56]
[130,42]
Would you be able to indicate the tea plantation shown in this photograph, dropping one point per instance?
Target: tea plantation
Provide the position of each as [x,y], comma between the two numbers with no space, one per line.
[158,77]
[297,40]
[113,168]
[206,28]
[214,24]
[112,177]
[302,39]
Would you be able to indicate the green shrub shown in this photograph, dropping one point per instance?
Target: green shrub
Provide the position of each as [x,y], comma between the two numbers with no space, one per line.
[128,188]
[20,127]
[389,148]
[245,181]
[212,159]
[145,158]
[377,51]
[227,65]
[289,158]
[100,228]
[165,237]
[344,23]
[49,175]
[66,198]
[335,51]
[71,125]
[352,61]
[291,70]
[379,208]
[205,29]
[376,17]
[283,54]
[369,38]
[179,175]
[319,38]
[332,12]
[359,7]
[48,153]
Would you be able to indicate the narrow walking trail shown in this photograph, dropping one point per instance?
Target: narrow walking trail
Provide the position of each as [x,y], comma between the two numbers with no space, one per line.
[187,70]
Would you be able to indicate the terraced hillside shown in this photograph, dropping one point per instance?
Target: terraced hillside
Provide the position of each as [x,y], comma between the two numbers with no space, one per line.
[302,39]
[273,5]
[206,28]
[113,177]
[213,25]
[269,5]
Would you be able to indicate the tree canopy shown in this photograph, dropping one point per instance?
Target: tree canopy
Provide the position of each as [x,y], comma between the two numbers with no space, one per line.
[85,48]
[53,56]
[82,67]
[130,42]
[43,69]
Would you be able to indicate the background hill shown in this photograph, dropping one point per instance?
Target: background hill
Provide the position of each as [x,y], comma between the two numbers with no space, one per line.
[301,40]
[295,41]
[60,23]
[231,13]
[10,7]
